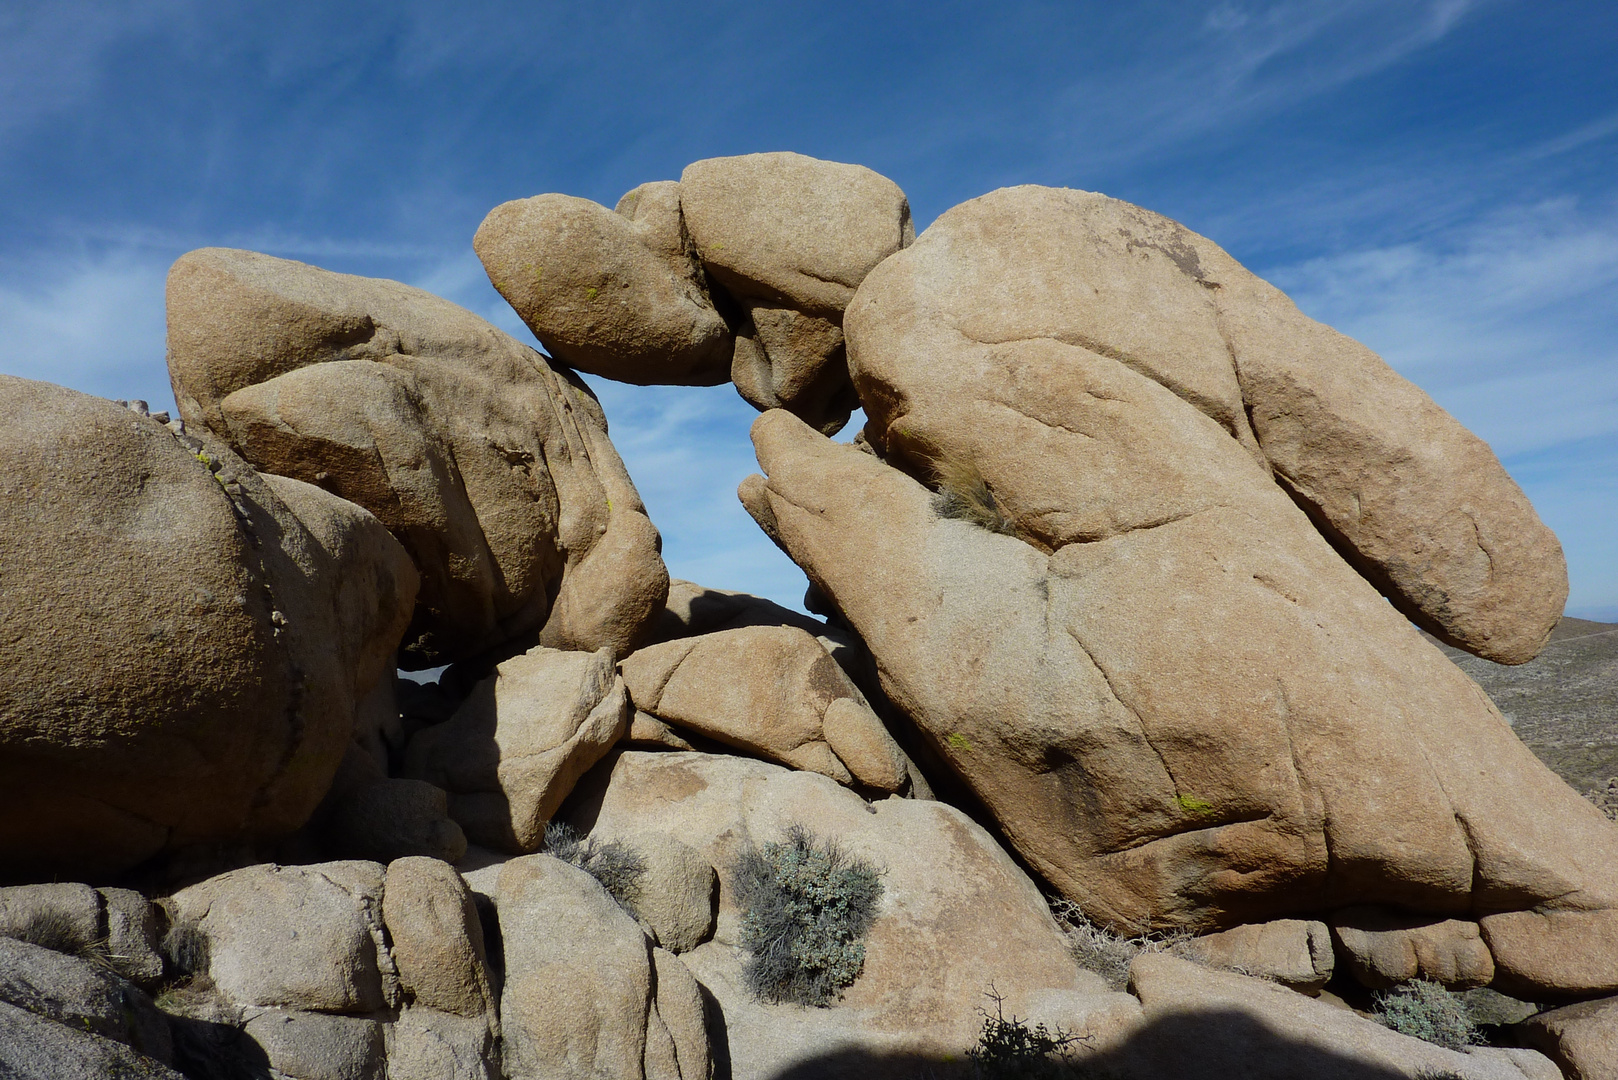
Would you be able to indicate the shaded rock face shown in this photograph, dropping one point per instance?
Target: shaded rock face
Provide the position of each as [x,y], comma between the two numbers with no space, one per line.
[513,751]
[956,913]
[993,343]
[186,641]
[491,467]
[1210,721]
[739,271]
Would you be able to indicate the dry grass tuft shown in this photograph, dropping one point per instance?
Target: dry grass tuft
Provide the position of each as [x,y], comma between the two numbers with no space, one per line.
[963,495]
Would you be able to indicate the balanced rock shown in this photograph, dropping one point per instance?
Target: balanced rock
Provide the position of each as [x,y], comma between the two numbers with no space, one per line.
[187,641]
[790,238]
[1198,717]
[512,752]
[956,914]
[492,467]
[773,691]
[990,345]
[619,294]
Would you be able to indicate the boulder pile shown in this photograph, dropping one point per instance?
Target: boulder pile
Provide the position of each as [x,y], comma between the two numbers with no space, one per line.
[1117,694]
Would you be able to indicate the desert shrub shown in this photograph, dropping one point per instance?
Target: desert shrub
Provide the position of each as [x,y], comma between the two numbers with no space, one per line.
[964,496]
[619,867]
[1427,1011]
[1008,1049]
[1104,951]
[805,905]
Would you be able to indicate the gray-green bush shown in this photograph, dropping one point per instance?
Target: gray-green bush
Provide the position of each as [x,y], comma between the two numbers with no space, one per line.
[1428,1011]
[619,867]
[805,903]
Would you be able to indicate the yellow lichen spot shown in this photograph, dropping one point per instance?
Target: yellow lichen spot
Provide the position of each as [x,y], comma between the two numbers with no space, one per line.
[1193,805]
[590,293]
[957,741]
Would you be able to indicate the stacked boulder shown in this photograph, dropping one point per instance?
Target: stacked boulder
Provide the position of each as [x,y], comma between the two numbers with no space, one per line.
[1123,565]
[739,271]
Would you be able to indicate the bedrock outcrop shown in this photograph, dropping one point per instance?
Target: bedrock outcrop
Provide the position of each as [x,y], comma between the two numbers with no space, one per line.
[491,466]
[185,641]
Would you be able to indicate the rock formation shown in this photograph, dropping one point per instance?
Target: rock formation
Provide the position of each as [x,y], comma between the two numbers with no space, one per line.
[186,641]
[739,271]
[491,466]
[1124,562]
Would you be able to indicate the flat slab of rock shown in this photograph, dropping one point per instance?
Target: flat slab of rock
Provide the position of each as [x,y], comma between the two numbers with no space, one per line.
[1384,948]
[492,467]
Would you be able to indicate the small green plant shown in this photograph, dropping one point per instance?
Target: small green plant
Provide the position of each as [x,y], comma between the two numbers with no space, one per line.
[805,905]
[619,867]
[964,495]
[1427,1011]
[1008,1049]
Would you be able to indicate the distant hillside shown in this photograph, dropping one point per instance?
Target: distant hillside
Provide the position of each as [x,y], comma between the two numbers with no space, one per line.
[1564,702]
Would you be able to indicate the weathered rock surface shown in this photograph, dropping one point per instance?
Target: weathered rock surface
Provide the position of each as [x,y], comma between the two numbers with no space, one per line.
[679,891]
[76,993]
[307,1044]
[1206,721]
[584,994]
[492,467]
[956,913]
[427,1045]
[1293,952]
[984,342]
[791,237]
[437,940]
[773,691]
[186,641]
[791,230]
[619,294]
[1204,1023]
[1582,1039]
[303,938]
[512,752]
[1383,948]
[34,1048]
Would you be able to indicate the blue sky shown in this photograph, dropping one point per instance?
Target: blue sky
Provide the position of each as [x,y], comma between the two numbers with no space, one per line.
[1435,177]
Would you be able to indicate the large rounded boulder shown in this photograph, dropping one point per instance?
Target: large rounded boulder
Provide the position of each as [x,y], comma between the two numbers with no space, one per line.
[491,466]
[183,643]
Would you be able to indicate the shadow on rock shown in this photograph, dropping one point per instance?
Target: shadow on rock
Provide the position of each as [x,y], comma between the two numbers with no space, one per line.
[204,1050]
[1216,1044]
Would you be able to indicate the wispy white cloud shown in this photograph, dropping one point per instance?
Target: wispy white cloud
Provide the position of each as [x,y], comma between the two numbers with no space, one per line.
[1511,324]
[1595,131]
[90,322]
